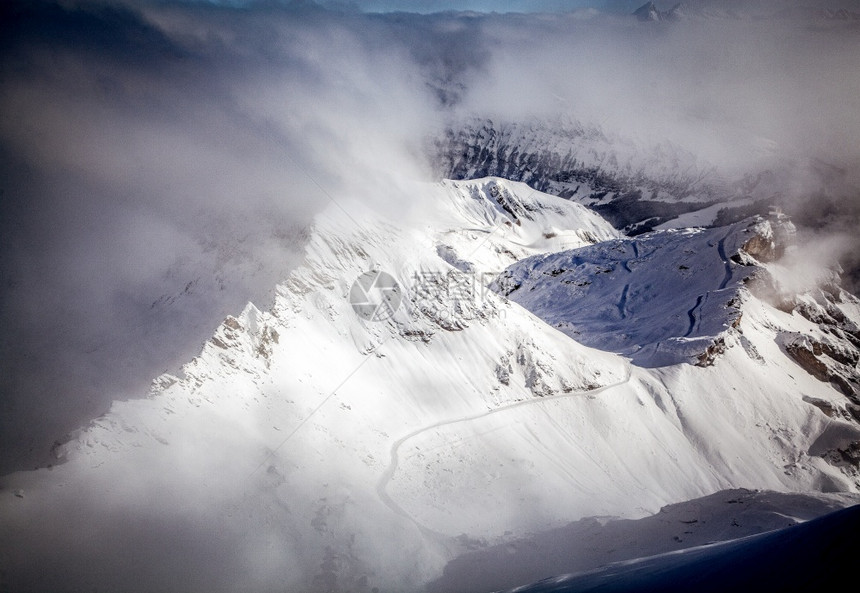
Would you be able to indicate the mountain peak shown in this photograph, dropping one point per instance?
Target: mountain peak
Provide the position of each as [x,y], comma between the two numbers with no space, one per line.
[650,12]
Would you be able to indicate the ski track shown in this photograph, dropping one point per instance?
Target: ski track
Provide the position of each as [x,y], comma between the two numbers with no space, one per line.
[721,249]
[626,263]
[622,303]
[388,474]
[692,314]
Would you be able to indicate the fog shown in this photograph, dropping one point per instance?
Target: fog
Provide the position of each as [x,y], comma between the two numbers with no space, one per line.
[159,171]
[162,162]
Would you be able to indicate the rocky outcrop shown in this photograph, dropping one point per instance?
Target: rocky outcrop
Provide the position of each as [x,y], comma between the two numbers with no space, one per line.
[827,359]
[771,237]
[628,185]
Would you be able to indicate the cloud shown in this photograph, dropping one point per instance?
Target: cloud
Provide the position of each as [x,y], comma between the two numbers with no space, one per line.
[730,91]
[160,170]
[746,96]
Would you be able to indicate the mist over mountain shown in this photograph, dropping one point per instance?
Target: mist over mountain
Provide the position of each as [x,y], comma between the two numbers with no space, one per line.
[165,163]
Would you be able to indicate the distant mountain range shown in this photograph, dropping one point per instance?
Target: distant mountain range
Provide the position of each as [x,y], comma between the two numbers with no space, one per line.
[738,10]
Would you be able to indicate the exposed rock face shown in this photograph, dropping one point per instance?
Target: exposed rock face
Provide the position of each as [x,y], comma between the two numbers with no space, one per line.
[712,352]
[832,356]
[761,248]
[629,185]
[634,186]
[828,343]
[805,355]
[772,236]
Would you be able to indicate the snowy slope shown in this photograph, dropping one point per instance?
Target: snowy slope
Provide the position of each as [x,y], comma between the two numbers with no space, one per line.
[817,555]
[308,449]
[660,298]
[594,542]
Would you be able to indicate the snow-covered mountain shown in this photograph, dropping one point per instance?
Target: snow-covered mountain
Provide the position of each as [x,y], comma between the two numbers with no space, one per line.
[746,9]
[635,185]
[575,161]
[317,447]
[660,298]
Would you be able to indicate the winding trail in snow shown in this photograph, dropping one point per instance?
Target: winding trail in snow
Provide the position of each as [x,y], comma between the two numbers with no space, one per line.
[622,302]
[692,314]
[721,249]
[626,263]
[394,459]
[727,277]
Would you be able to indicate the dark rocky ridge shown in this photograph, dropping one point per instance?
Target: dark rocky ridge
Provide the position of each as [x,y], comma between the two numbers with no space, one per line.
[635,188]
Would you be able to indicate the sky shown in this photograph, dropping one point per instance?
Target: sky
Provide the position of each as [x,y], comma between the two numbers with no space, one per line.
[431,6]
[161,162]
[501,6]
[552,6]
